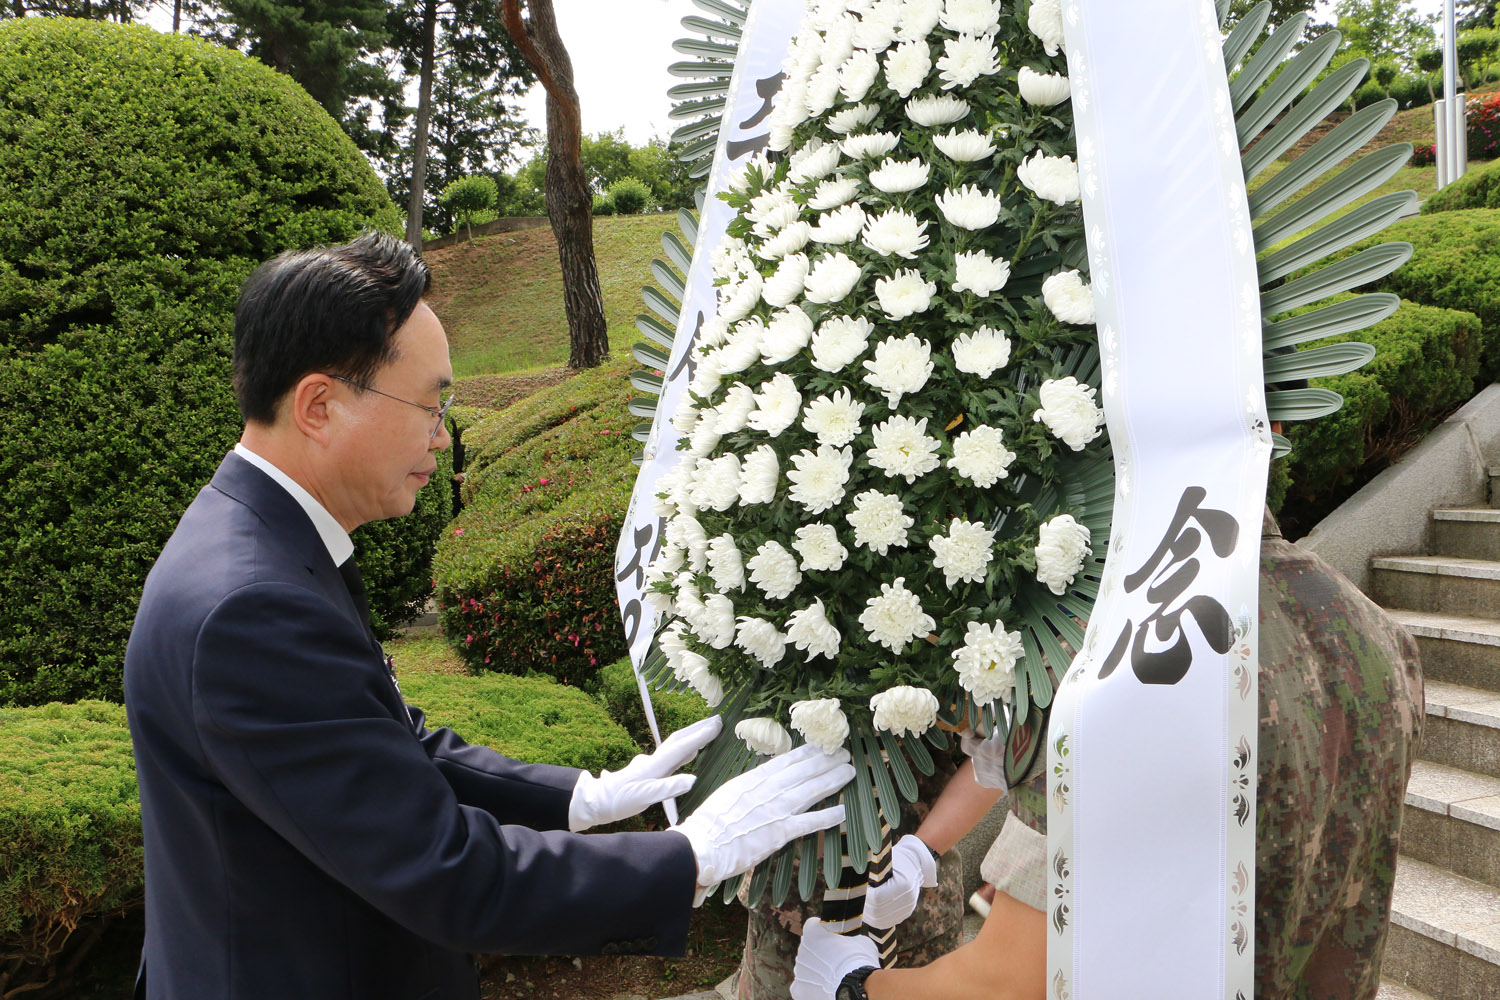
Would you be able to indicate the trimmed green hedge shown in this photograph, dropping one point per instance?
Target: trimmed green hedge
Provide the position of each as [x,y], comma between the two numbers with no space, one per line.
[621,696]
[145,175]
[1479,188]
[524,574]
[70,828]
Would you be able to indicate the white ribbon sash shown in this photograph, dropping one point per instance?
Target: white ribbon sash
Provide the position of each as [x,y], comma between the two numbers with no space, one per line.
[1151,806]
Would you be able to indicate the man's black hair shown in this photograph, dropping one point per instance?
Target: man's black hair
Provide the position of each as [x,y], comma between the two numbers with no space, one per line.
[333,309]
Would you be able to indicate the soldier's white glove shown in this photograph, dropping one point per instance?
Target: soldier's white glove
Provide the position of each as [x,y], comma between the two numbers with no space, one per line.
[825,958]
[989,758]
[645,781]
[913,869]
[752,816]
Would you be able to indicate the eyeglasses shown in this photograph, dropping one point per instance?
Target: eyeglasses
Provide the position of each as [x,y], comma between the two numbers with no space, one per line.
[438,412]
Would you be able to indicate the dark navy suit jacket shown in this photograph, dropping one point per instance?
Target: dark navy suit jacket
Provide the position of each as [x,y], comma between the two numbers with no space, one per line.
[305,836]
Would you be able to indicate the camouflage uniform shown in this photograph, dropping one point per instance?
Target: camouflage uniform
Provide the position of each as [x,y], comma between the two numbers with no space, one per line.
[1340,715]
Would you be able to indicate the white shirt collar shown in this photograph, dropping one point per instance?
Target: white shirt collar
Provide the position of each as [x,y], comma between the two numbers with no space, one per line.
[335,538]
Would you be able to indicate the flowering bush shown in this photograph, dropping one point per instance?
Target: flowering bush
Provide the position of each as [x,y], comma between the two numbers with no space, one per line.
[1424,156]
[1484,127]
[894,486]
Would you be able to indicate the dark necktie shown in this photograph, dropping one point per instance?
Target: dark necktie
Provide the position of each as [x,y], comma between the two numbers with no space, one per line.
[356,584]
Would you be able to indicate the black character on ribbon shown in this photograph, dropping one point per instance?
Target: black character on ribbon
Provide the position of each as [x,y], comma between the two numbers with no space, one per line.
[689,358]
[644,550]
[767,88]
[1170,572]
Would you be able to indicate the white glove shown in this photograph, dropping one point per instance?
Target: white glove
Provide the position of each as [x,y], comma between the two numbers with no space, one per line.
[989,758]
[752,816]
[645,781]
[825,958]
[913,869]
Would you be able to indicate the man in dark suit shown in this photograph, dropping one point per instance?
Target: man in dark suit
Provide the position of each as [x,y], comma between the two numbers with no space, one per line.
[306,834]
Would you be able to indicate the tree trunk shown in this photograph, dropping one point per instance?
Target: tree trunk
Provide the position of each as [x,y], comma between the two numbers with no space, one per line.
[419,138]
[570,203]
[176,16]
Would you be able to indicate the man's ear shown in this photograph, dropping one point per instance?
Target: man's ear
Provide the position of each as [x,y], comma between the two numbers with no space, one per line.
[308,406]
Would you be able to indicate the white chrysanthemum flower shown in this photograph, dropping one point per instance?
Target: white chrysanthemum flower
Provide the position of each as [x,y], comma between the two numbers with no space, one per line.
[855,77]
[832,277]
[879,522]
[967,58]
[739,180]
[1069,297]
[902,448]
[1045,20]
[832,193]
[781,132]
[901,365]
[964,147]
[971,17]
[839,340]
[1069,411]
[877,27]
[819,547]
[894,617]
[814,161]
[760,639]
[684,419]
[818,477]
[677,485]
[857,117]
[789,240]
[981,457]
[822,91]
[776,405]
[731,414]
[768,202]
[964,553]
[1042,89]
[730,259]
[738,299]
[704,439]
[672,643]
[774,570]
[978,272]
[776,220]
[788,332]
[899,176]
[1062,545]
[716,626]
[821,723]
[986,662]
[969,207]
[759,475]
[689,604]
[932,111]
[713,333]
[725,564]
[838,37]
[716,482]
[696,673]
[904,293]
[905,709]
[783,287]
[741,350]
[982,352]
[810,631]
[907,66]
[764,736]
[918,18]
[833,420]
[685,530]
[839,226]
[1051,178]
[707,376]
[868,145]
[895,232]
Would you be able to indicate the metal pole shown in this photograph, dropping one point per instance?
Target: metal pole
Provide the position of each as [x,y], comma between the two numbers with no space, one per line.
[1440,140]
[1449,150]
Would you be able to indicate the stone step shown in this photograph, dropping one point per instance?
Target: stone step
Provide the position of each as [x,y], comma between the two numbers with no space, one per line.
[1494,484]
[1445,934]
[1466,532]
[1436,583]
[1452,821]
[1462,729]
[1457,649]
[1394,991]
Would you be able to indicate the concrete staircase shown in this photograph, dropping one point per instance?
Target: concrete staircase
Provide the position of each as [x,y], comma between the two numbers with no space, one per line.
[1444,940]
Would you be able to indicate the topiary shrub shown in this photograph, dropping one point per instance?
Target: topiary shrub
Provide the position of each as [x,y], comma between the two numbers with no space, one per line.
[525,573]
[630,196]
[70,835]
[145,176]
[1478,188]
[622,698]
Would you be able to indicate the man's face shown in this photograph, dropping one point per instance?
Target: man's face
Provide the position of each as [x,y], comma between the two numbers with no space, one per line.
[386,451]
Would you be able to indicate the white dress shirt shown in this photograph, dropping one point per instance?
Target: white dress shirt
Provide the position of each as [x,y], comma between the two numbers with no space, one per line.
[335,538]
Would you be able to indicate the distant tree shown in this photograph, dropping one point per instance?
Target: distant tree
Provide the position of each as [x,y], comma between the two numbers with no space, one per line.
[606,158]
[1281,10]
[121,11]
[1475,14]
[1385,30]
[468,196]
[569,199]
[659,166]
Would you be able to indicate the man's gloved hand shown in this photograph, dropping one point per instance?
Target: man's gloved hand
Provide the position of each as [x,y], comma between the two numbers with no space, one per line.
[988,755]
[750,817]
[825,958]
[645,781]
[913,869]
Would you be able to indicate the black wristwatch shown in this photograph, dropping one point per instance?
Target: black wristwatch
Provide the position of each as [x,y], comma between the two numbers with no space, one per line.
[852,986]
